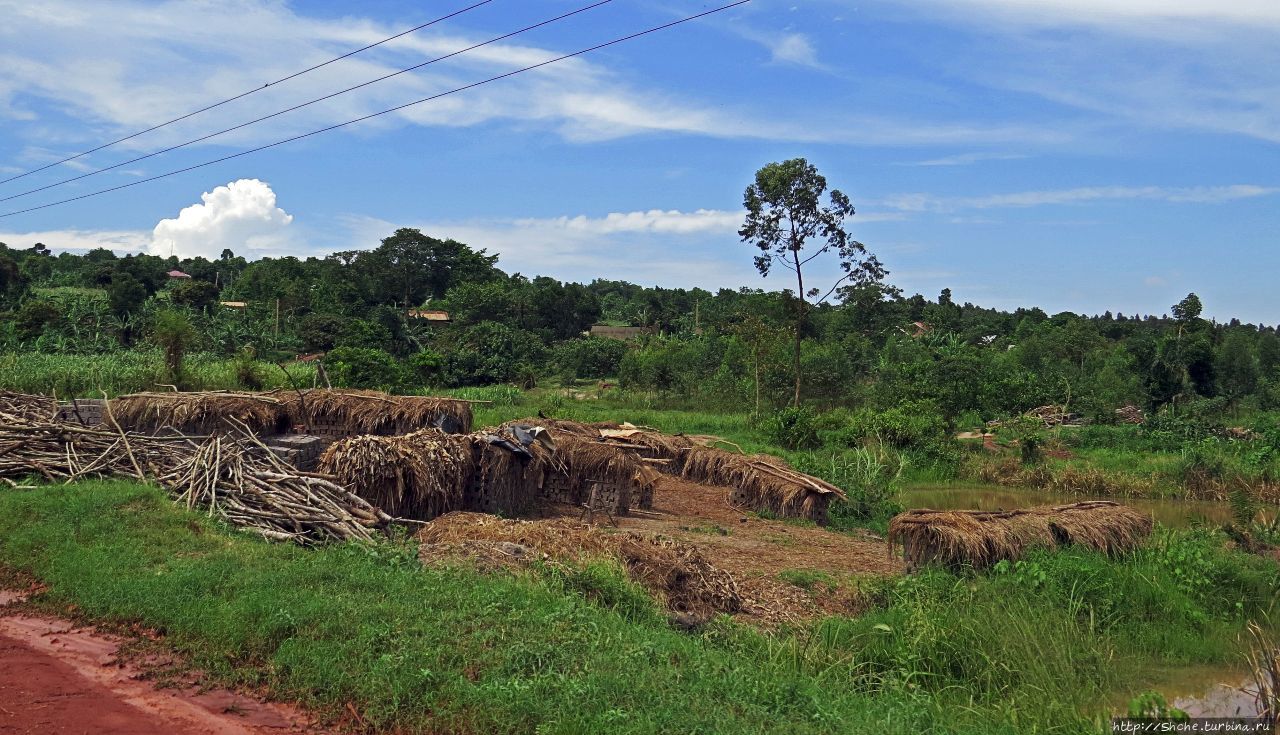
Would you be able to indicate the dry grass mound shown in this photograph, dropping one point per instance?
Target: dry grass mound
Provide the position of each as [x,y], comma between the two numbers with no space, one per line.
[676,573]
[26,407]
[372,412]
[419,476]
[199,413]
[982,538]
[761,482]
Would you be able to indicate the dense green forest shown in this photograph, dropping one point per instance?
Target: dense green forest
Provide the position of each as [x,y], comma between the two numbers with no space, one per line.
[873,347]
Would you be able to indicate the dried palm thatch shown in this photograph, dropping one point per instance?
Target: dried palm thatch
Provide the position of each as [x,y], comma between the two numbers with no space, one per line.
[199,413]
[981,538]
[371,412]
[761,482]
[674,572]
[585,460]
[505,479]
[417,476]
[27,407]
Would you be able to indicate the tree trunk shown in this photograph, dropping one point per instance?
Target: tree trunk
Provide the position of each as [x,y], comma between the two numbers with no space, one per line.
[801,313]
[756,354]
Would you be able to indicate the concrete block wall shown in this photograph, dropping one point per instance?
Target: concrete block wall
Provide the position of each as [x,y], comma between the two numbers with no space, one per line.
[86,411]
[300,450]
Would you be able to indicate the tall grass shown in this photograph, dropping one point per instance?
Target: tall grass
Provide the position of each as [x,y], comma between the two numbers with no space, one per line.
[116,373]
[1031,647]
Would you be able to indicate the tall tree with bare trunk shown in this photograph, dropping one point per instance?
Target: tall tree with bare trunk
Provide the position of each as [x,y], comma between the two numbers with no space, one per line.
[785,215]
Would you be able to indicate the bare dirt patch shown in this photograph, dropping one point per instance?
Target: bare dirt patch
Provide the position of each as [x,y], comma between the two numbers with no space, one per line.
[57,676]
[757,552]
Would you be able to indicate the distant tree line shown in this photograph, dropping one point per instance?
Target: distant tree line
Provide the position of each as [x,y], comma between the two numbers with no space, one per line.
[873,347]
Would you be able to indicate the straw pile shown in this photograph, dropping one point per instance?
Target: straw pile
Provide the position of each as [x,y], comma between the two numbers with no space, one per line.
[761,482]
[26,407]
[234,477]
[199,413]
[981,538]
[418,476]
[674,572]
[371,412]
[586,460]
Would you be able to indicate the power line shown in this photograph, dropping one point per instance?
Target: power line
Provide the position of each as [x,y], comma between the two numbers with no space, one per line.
[455,90]
[304,104]
[247,93]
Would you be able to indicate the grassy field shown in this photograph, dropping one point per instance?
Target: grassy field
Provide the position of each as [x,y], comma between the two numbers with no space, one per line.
[1032,647]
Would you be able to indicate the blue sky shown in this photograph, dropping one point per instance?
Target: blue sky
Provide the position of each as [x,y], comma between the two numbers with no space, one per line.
[1082,155]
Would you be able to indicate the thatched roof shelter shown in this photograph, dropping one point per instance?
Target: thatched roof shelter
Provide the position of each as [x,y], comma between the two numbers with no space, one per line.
[981,538]
[199,412]
[419,476]
[372,412]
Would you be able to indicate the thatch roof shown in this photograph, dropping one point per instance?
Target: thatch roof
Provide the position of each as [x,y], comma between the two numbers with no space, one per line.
[199,413]
[675,572]
[761,482]
[981,538]
[418,476]
[372,412]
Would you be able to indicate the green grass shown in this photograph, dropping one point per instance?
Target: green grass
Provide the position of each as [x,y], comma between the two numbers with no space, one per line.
[117,373]
[1028,648]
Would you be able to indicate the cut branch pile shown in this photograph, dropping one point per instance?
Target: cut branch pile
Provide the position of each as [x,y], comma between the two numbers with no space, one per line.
[26,407]
[1130,415]
[232,477]
[981,538]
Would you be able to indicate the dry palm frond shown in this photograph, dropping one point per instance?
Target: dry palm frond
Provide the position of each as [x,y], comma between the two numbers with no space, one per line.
[761,482]
[981,538]
[418,476]
[371,412]
[198,413]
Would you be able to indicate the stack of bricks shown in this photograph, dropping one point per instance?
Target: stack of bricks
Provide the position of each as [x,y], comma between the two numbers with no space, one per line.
[300,450]
[329,433]
[611,497]
[86,411]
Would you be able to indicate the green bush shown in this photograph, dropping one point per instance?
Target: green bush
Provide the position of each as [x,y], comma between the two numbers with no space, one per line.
[591,357]
[794,427]
[914,425]
[426,367]
[352,367]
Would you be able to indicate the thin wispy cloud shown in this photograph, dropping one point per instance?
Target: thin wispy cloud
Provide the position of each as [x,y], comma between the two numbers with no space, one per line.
[966,159]
[1190,195]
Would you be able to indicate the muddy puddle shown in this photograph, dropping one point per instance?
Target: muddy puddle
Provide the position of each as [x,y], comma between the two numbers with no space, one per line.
[1204,691]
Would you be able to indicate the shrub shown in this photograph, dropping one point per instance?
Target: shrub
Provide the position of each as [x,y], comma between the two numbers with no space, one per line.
[353,367]
[173,332]
[914,425]
[425,367]
[592,357]
[794,427]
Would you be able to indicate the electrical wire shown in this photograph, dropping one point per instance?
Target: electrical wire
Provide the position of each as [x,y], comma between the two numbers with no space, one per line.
[242,95]
[370,116]
[255,121]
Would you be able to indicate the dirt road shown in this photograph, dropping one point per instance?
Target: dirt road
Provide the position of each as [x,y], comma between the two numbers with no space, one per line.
[56,677]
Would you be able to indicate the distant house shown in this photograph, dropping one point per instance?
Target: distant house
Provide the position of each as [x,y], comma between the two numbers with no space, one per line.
[178,274]
[919,329]
[604,330]
[234,304]
[430,315]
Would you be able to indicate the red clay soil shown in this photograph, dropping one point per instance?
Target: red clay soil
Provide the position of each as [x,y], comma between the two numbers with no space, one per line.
[57,677]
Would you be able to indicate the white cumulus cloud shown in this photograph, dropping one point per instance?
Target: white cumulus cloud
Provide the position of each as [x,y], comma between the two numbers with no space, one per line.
[242,216]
